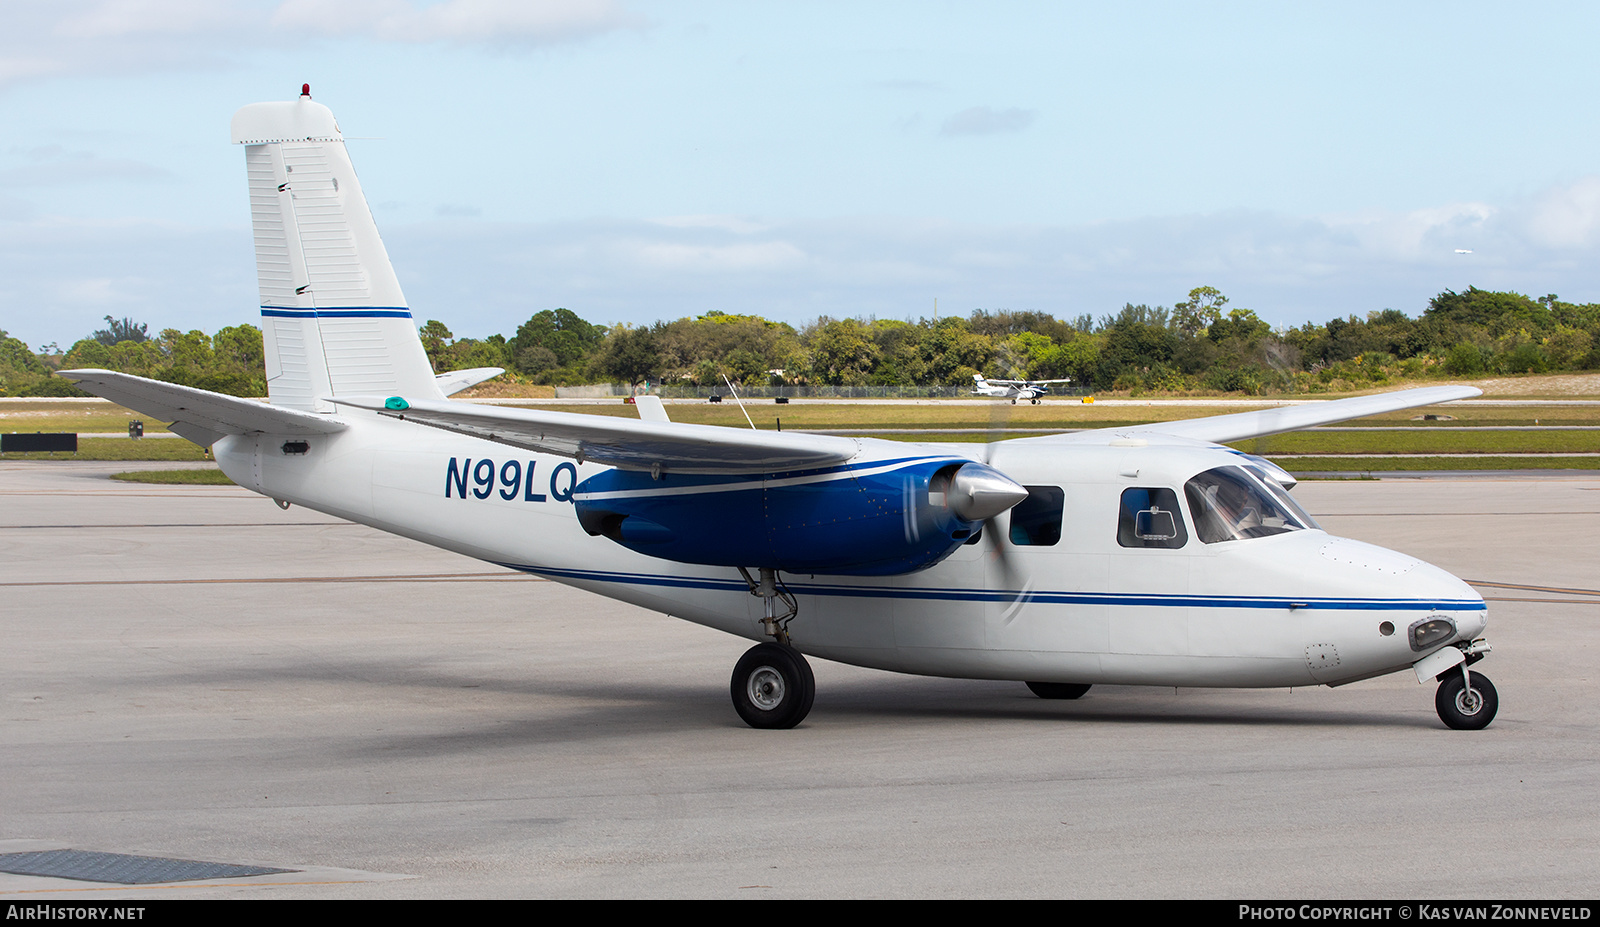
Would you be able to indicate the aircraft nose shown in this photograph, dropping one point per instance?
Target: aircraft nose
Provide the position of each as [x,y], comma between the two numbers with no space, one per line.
[1470,616]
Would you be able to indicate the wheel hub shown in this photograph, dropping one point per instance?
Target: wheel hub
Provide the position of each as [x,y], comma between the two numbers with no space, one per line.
[1468,701]
[765,688]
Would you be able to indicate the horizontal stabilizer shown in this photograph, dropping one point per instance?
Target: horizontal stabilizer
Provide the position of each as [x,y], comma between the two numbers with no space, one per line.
[630,444]
[1220,429]
[457,380]
[199,415]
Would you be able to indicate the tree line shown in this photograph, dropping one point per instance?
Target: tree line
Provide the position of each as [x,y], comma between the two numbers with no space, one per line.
[1198,344]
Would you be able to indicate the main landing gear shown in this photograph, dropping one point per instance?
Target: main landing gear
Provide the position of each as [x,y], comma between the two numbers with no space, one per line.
[772,685]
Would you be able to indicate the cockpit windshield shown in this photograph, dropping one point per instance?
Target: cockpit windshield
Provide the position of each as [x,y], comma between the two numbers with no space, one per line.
[1282,494]
[1233,504]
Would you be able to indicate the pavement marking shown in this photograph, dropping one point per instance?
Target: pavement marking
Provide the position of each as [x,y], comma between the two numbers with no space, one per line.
[207,524]
[1562,590]
[397,578]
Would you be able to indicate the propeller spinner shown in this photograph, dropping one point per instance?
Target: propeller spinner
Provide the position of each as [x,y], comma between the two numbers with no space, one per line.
[979,492]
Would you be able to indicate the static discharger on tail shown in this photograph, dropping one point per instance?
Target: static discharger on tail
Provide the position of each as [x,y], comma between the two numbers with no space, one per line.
[1149,555]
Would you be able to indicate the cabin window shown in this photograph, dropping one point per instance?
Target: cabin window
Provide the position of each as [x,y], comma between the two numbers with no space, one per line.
[1036,520]
[1230,504]
[1150,518]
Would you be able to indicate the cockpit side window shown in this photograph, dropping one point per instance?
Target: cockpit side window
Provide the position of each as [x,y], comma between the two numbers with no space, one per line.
[1150,518]
[1036,520]
[1229,504]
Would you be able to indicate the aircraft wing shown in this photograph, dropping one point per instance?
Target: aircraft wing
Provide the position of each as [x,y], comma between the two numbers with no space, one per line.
[199,415]
[1220,429]
[627,443]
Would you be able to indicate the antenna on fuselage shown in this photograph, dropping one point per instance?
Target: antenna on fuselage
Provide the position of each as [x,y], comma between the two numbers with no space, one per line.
[736,398]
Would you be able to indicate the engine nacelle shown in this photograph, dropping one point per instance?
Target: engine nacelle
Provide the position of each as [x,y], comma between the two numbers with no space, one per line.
[872,519]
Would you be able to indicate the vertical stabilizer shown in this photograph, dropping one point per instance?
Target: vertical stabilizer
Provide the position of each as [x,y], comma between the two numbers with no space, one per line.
[332,315]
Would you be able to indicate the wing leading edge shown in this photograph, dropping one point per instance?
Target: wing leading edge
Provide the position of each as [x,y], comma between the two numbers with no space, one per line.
[629,444]
[1239,426]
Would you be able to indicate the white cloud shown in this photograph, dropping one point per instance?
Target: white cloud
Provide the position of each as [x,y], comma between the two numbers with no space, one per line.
[71,273]
[493,22]
[735,224]
[114,19]
[69,38]
[984,120]
[81,169]
[740,258]
[1566,216]
[486,277]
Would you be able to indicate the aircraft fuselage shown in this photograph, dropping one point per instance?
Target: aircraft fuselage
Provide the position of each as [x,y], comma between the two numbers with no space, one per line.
[1062,601]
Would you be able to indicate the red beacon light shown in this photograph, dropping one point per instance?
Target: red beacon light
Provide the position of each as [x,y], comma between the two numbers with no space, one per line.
[305,90]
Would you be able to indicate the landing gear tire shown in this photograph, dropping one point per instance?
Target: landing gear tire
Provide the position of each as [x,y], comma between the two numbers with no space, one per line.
[1066,690]
[772,687]
[1464,708]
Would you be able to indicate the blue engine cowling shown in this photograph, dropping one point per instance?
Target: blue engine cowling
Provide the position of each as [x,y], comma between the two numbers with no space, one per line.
[871,519]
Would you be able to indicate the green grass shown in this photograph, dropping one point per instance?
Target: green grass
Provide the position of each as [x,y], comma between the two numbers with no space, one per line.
[208,477]
[1437,437]
[123,449]
[1360,442]
[1425,442]
[1384,464]
[908,414]
[57,416]
[80,417]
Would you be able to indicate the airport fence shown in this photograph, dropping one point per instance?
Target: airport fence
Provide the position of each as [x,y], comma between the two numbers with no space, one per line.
[673,391]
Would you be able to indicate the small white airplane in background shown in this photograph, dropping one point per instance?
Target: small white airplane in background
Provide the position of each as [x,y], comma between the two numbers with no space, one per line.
[1013,390]
[1149,555]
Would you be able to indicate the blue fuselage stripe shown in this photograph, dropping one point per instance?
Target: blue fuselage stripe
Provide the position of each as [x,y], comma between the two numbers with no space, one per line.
[1003,595]
[364,312]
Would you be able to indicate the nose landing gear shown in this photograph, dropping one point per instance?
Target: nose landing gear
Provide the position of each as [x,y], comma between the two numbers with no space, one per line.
[1466,701]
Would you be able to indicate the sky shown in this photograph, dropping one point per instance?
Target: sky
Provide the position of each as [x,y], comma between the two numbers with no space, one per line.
[636,160]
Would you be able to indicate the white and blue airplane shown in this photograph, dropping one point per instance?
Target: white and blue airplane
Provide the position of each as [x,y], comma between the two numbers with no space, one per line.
[1013,390]
[1149,555]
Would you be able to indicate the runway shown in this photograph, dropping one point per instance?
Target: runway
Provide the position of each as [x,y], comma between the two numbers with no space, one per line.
[192,673]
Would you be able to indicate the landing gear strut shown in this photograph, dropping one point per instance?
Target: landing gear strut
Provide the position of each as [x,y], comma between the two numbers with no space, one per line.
[772,685]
